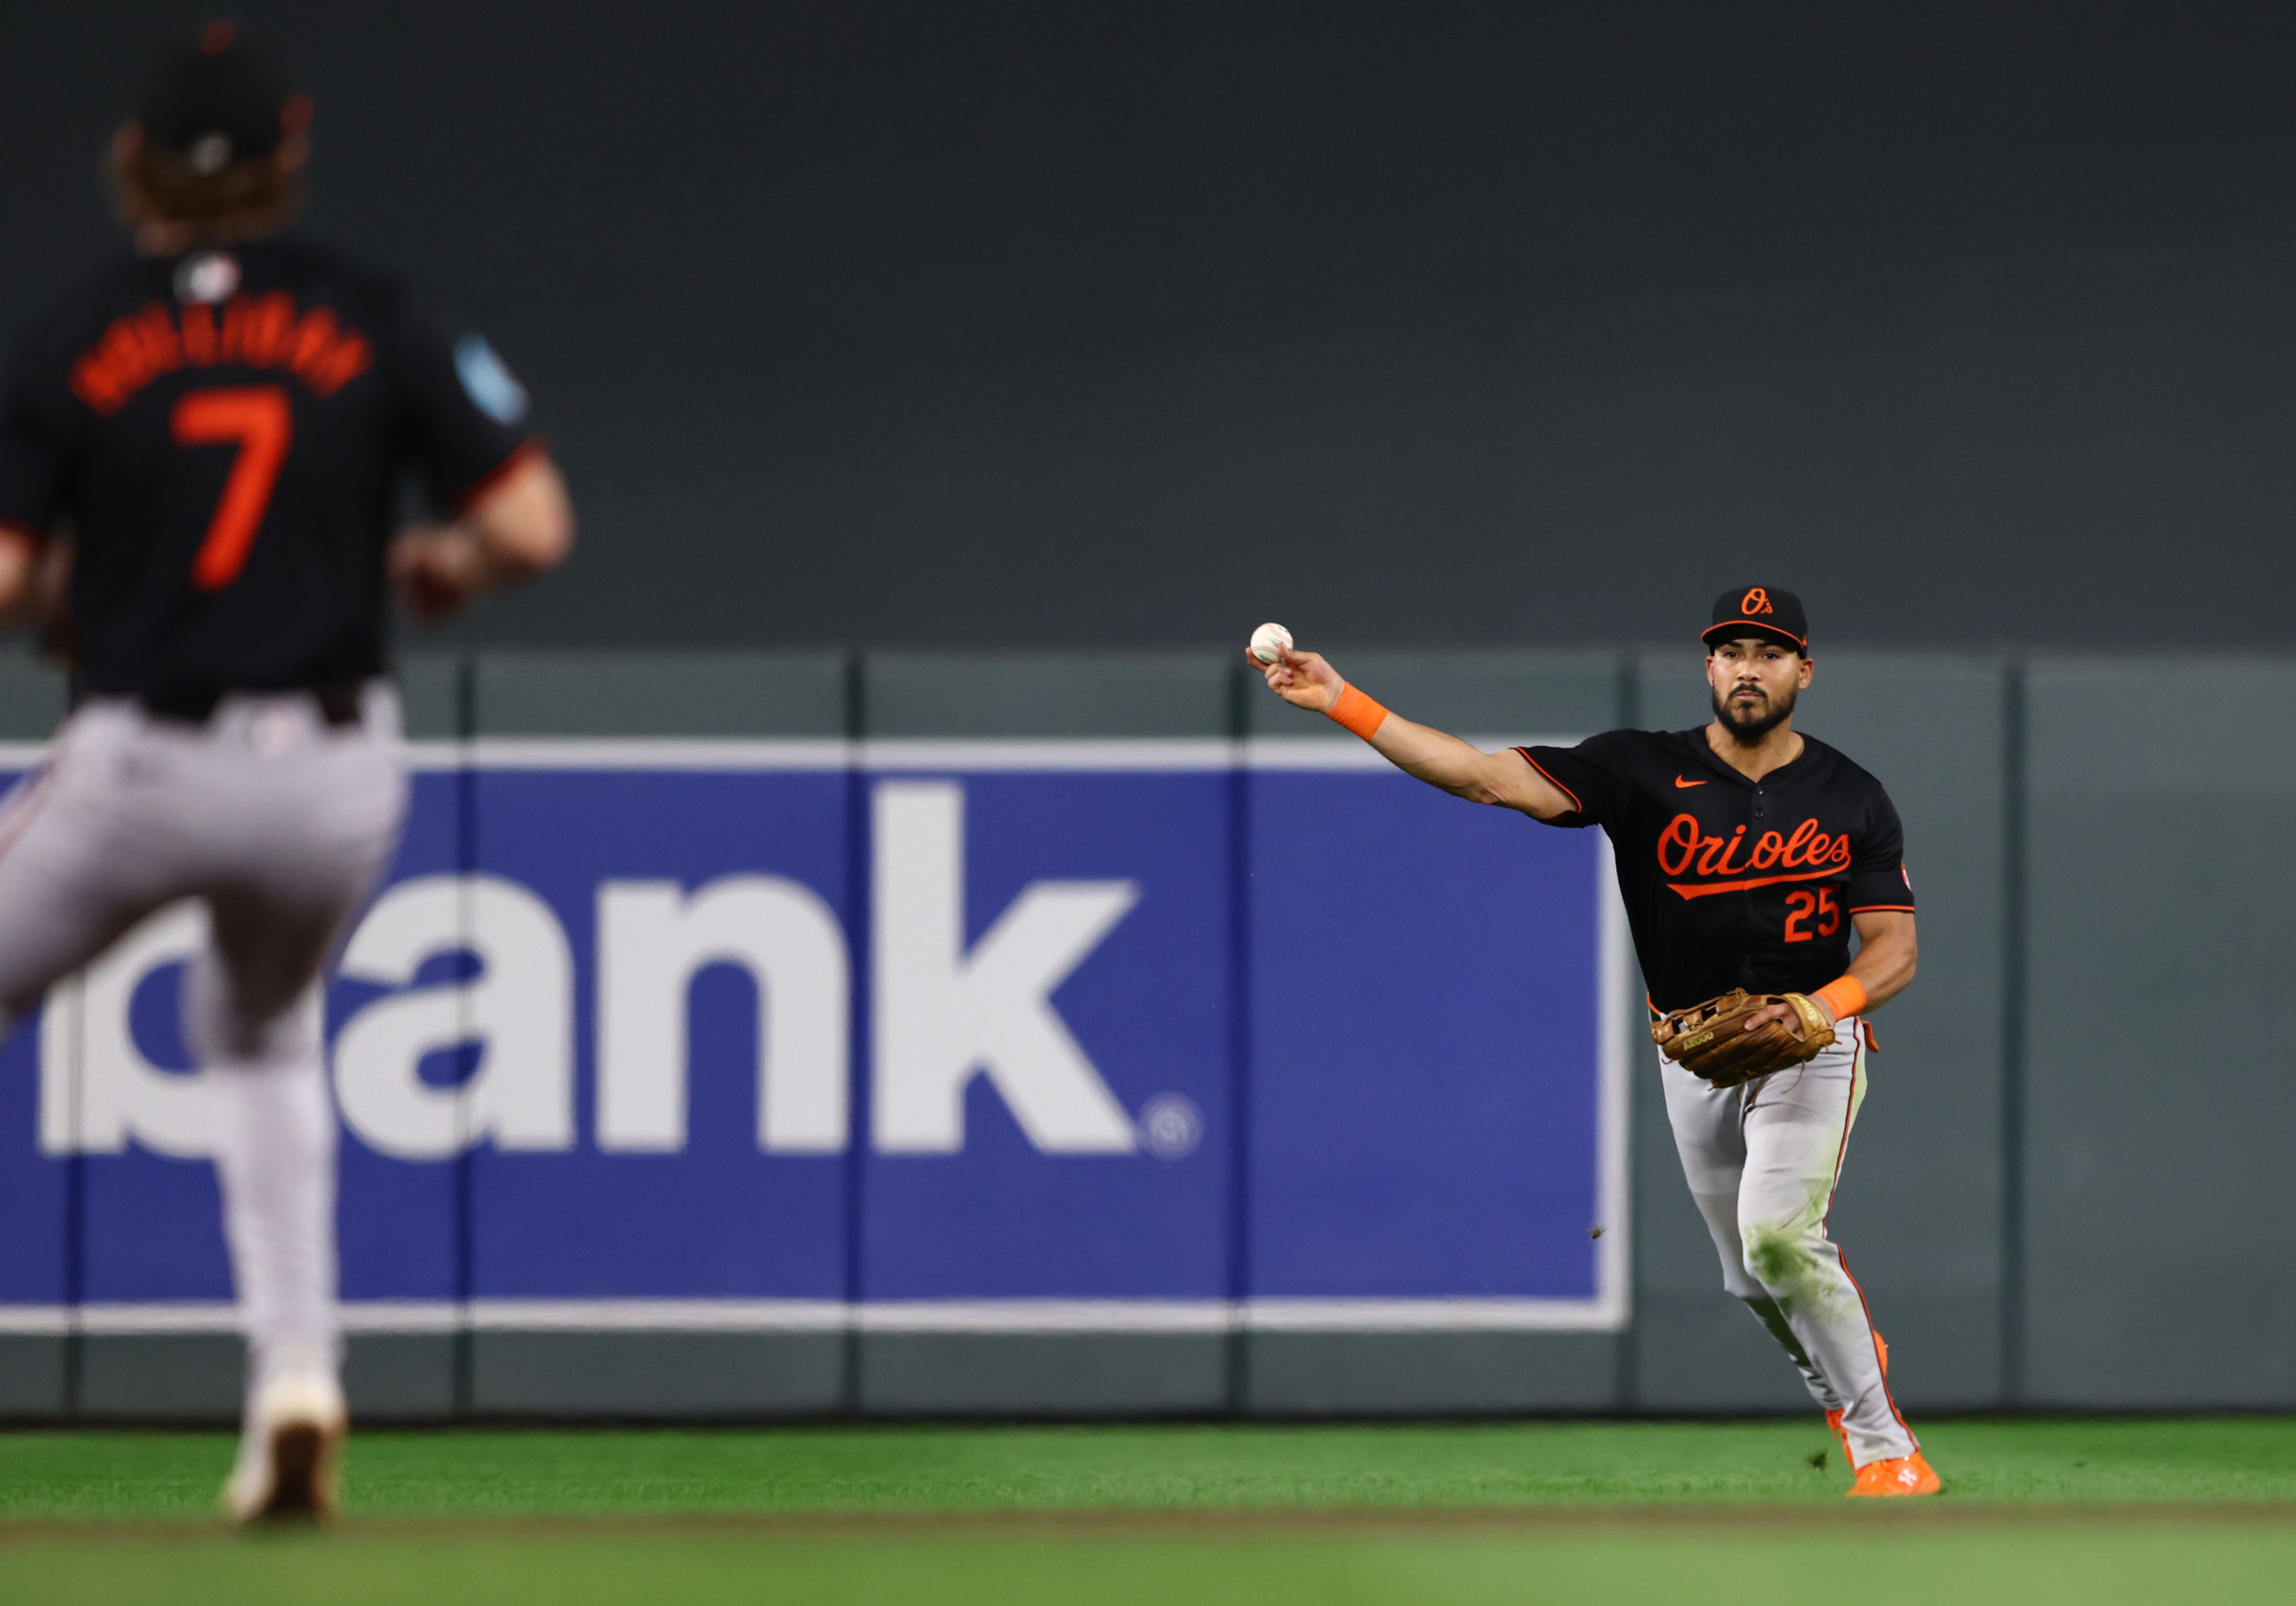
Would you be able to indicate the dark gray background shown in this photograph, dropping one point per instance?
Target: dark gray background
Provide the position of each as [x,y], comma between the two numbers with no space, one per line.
[938,324]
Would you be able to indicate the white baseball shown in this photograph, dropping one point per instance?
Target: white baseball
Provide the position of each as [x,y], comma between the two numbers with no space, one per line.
[1270,642]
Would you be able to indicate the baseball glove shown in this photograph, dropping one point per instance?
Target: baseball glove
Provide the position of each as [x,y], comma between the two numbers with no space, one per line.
[1710,1039]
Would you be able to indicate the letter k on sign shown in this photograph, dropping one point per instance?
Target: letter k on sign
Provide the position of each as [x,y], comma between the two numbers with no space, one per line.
[944,1013]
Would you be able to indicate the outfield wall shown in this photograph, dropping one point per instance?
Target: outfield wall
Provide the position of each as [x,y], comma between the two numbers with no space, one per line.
[1354,1177]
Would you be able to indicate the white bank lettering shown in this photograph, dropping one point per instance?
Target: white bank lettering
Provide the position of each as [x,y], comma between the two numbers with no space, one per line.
[941,1013]
[519,1008]
[944,1014]
[652,938]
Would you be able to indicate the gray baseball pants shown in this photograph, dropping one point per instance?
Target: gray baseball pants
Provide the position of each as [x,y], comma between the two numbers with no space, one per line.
[280,824]
[1763,1160]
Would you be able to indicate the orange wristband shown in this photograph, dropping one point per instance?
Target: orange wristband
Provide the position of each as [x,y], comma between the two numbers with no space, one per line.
[1845,995]
[1356,712]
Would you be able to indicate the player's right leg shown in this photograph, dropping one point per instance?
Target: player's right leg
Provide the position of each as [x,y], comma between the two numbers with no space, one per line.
[1708,1136]
[315,819]
[77,869]
[275,1163]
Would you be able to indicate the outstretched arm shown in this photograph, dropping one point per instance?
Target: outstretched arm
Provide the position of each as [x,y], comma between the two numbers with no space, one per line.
[1307,680]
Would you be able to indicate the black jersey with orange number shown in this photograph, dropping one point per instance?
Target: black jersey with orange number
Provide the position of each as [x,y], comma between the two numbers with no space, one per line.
[1731,883]
[223,434]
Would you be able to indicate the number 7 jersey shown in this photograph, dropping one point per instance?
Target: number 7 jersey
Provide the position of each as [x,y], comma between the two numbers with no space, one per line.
[1730,883]
[224,434]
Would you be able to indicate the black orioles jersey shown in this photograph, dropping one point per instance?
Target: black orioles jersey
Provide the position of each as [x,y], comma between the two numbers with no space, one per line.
[223,434]
[1731,883]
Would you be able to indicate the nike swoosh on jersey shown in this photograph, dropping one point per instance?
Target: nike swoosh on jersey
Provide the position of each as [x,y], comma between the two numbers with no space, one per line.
[1685,785]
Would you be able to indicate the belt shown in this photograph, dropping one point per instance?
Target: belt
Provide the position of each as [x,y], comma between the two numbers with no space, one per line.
[340,702]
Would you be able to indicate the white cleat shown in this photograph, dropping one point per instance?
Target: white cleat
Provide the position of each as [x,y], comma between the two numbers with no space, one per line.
[289,1457]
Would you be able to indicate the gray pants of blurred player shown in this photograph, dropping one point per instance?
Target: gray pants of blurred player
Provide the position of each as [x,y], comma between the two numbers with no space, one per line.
[1762,1159]
[280,822]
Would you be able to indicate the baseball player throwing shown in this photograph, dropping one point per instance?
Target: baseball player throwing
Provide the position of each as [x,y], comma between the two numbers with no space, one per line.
[218,425]
[1746,854]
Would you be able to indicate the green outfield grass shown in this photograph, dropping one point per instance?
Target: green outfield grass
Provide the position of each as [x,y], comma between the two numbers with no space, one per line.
[930,1470]
[2037,1510]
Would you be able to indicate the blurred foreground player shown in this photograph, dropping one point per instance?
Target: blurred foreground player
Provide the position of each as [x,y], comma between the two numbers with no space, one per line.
[1746,854]
[217,426]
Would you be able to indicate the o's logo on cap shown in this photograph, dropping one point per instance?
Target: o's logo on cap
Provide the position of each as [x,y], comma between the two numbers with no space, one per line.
[1757,601]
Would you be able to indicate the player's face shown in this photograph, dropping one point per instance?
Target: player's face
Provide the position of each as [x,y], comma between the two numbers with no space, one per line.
[1754,684]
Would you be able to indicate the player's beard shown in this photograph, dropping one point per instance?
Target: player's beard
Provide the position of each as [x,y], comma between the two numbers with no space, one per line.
[1748,729]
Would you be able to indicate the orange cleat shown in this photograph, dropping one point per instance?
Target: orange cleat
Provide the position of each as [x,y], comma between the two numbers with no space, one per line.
[1833,1418]
[1900,1474]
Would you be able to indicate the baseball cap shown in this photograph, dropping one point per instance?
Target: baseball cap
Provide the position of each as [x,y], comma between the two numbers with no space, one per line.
[1760,610]
[215,101]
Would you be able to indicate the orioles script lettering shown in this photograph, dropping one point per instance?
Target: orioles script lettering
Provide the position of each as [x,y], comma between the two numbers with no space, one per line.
[1684,849]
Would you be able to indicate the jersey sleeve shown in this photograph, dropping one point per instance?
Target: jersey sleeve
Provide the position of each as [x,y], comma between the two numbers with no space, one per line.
[1597,775]
[465,413]
[35,447]
[1877,865]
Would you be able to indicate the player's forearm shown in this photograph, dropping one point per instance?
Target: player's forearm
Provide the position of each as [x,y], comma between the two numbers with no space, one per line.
[1308,680]
[1442,760]
[1883,975]
[20,563]
[525,526]
[1885,957]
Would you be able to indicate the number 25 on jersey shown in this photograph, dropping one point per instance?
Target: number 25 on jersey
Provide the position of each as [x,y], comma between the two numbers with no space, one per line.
[1803,905]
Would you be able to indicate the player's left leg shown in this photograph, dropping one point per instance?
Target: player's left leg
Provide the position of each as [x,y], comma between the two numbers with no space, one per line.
[1797,1130]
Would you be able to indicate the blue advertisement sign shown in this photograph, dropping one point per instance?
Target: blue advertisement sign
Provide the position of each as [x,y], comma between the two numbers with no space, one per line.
[948,1035]
[1433,1007]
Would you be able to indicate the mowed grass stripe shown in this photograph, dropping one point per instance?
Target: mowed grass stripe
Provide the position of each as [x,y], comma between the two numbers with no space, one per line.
[847,1470]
